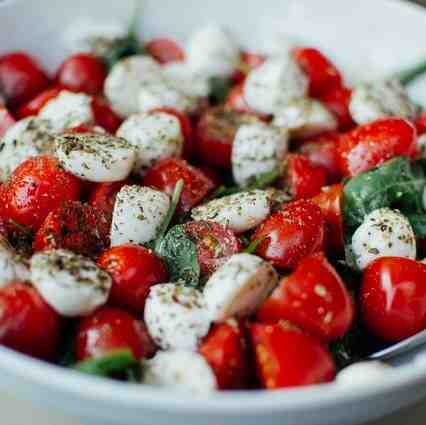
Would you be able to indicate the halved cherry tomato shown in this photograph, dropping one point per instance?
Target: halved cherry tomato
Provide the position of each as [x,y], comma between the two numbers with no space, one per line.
[285,357]
[393,298]
[225,350]
[27,323]
[290,234]
[37,187]
[164,50]
[6,121]
[215,243]
[34,106]
[166,173]
[420,123]
[21,78]
[134,269]
[104,115]
[110,329]
[248,62]
[314,298]
[303,178]
[372,144]
[337,101]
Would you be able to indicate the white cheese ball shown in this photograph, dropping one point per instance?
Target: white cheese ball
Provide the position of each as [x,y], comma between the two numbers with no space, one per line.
[363,373]
[239,287]
[138,214]
[28,137]
[305,118]
[95,157]
[68,110]
[12,267]
[274,83]
[176,316]
[258,148]
[126,78]
[154,136]
[212,51]
[240,212]
[373,100]
[180,370]
[70,283]
[383,233]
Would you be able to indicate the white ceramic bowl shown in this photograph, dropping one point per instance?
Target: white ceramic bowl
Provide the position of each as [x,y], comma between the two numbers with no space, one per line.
[367,38]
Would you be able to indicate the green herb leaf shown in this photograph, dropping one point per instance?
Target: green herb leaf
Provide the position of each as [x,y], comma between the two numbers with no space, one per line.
[252,246]
[408,75]
[418,222]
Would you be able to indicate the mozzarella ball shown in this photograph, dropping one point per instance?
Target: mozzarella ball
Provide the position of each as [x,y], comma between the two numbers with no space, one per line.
[383,233]
[239,286]
[363,373]
[125,80]
[240,212]
[12,267]
[154,136]
[70,283]
[181,370]
[274,83]
[68,110]
[212,51]
[29,137]
[258,148]
[373,100]
[95,157]
[138,213]
[305,118]
[176,316]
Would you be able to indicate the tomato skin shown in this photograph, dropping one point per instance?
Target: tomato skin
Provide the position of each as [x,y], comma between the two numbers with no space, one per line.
[166,173]
[134,269]
[111,329]
[285,357]
[104,115]
[420,123]
[393,298]
[38,186]
[314,298]
[372,144]
[164,50]
[248,62]
[27,323]
[225,350]
[337,101]
[21,78]
[290,234]
[34,105]
[6,121]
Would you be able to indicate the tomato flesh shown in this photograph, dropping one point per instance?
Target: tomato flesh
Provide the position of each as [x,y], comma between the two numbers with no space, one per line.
[164,50]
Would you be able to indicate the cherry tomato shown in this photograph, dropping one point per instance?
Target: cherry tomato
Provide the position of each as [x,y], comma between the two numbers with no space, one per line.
[215,243]
[290,234]
[36,104]
[337,101]
[285,357]
[84,128]
[27,323]
[166,173]
[21,78]
[213,174]
[164,50]
[110,329]
[330,201]
[37,187]
[248,62]
[134,269]
[6,121]
[303,178]
[420,123]
[393,298]
[104,115]
[74,226]
[372,144]
[226,351]
[215,134]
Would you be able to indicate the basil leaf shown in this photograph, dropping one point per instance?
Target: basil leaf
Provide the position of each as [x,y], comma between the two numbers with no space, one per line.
[219,89]
[252,246]
[418,222]
[408,75]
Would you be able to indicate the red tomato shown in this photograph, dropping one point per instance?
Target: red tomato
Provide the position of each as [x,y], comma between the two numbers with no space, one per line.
[215,243]
[134,269]
[21,78]
[35,105]
[82,72]
[213,174]
[420,123]
[330,201]
[104,115]
[166,173]
[314,298]
[337,101]
[110,329]
[248,62]
[303,178]
[291,234]
[285,357]
[226,351]
[393,298]
[74,226]
[27,323]
[37,187]
[372,144]
[323,75]
[215,134]
[6,121]
[164,50]
[83,128]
